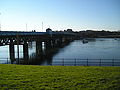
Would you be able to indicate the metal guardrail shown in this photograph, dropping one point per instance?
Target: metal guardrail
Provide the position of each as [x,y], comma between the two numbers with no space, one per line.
[5,61]
[11,33]
[76,62]
[86,62]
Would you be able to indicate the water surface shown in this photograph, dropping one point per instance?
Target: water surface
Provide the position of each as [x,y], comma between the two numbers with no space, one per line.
[75,52]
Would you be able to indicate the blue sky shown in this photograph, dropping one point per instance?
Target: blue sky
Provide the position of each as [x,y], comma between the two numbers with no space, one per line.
[60,14]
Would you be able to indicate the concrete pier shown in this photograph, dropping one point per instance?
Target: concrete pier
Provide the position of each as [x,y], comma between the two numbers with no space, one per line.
[38,47]
[25,50]
[11,51]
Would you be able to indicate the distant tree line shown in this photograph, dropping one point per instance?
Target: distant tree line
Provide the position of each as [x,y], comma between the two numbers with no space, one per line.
[94,34]
[97,34]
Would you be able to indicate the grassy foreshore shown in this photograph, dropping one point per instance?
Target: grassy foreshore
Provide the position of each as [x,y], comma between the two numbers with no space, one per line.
[59,77]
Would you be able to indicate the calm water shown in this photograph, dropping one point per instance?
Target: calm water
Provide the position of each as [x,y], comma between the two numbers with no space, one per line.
[100,48]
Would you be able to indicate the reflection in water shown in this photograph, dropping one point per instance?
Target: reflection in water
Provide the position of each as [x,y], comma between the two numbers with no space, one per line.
[41,56]
[71,53]
[38,54]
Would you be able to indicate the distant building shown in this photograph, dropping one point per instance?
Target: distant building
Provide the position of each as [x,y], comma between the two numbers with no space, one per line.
[33,30]
[49,30]
[69,30]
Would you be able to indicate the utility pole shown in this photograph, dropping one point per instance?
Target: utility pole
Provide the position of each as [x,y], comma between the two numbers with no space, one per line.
[0,26]
[0,21]
[42,26]
[26,26]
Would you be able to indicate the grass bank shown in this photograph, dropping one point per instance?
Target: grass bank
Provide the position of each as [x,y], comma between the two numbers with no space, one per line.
[59,77]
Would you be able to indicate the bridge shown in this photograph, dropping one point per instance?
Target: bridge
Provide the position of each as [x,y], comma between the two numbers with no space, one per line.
[51,40]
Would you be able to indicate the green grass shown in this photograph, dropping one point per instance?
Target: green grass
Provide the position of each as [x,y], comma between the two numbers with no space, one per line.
[59,77]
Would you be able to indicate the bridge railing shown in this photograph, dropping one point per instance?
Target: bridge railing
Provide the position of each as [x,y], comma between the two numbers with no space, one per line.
[75,62]
[13,33]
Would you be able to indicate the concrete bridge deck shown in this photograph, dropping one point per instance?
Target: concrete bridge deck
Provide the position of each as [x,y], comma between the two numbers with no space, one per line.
[12,33]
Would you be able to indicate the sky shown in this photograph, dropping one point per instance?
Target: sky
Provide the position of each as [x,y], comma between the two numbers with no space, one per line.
[28,15]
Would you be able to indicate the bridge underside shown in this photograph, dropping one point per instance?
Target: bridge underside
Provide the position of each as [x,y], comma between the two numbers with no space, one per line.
[51,41]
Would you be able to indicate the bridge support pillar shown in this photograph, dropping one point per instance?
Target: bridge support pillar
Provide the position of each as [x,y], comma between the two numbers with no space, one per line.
[11,51]
[25,50]
[38,47]
[57,42]
[60,42]
[48,44]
